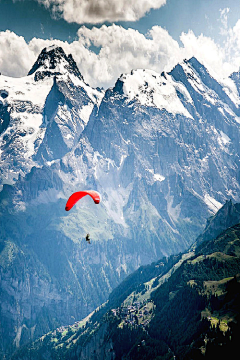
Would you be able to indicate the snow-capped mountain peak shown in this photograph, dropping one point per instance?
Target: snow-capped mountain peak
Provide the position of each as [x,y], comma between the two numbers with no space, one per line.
[53,61]
[52,103]
[149,88]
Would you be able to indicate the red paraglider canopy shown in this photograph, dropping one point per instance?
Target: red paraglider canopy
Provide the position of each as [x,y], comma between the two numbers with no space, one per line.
[78,195]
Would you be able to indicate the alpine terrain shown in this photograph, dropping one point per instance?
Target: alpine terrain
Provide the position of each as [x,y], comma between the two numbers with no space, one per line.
[185,306]
[163,150]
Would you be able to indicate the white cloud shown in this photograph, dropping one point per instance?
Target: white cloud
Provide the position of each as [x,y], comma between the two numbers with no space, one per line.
[99,11]
[207,52]
[232,45]
[121,50]
[15,55]
[224,20]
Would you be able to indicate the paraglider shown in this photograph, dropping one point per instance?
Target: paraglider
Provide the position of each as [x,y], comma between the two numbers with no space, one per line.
[75,197]
[79,195]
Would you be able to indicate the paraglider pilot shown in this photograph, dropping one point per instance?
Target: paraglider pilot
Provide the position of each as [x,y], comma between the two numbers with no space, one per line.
[88,238]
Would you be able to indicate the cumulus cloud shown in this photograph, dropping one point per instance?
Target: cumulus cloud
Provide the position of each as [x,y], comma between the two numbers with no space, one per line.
[15,55]
[206,51]
[224,20]
[92,11]
[232,45]
[122,50]
[119,50]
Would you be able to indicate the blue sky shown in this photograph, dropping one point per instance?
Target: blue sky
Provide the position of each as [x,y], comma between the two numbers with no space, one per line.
[120,35]
[32,19]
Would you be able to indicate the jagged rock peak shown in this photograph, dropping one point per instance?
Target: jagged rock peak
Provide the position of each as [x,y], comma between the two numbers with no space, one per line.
[186,65]
[54,61]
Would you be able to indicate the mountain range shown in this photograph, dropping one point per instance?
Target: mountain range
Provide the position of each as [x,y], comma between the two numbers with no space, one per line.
[185,306]
[163,151]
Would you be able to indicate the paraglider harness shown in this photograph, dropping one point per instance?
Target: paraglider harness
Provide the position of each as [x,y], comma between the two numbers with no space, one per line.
[88,238]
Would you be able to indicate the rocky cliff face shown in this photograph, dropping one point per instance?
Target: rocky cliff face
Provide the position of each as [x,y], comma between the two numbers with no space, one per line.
[163,150]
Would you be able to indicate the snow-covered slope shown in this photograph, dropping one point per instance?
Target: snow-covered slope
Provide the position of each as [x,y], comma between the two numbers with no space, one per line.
[21,105]
[151,89]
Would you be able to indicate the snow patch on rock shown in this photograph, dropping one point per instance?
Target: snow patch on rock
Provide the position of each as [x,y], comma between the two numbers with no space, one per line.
[212,204]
